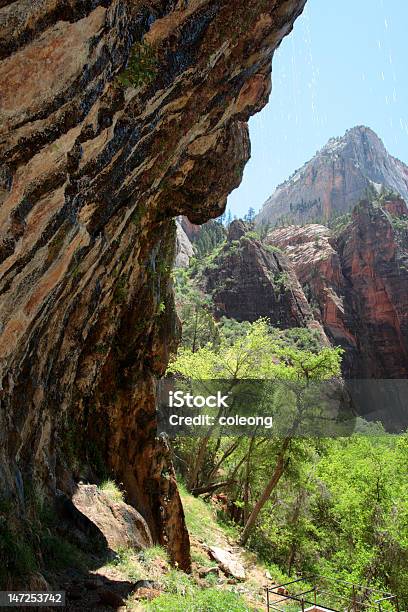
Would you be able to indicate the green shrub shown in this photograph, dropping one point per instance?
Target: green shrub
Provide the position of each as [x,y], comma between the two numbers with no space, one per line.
[17,555]
[111,489]
[209,600]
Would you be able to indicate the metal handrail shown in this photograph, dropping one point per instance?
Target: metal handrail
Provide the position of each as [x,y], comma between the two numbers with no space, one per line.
[354,603]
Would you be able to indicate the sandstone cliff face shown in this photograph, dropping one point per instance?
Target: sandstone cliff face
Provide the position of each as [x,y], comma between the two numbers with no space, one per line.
[336,179]
[358,284]
[247,280]
[184,248]
[91,175]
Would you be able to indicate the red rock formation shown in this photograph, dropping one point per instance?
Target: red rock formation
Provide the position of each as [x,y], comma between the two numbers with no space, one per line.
[91,175]
[359,283]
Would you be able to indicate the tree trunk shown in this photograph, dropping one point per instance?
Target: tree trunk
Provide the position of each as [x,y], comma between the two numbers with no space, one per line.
[195,330]
[193,476]
[277,473]
[246,485]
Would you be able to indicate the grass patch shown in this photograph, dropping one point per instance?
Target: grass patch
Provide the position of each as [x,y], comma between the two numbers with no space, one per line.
[201,559]
[111,489]
[150,555]
[141,565]
[200,517]
[209,600]
[178,583]
[127,562]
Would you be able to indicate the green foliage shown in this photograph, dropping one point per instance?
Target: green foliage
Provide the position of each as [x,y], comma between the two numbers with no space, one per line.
[339,222]
[400,223]
[261,354]
[127,562]
[281,281]
[252,235]
[111,489]
[178,583]
[154,552]
[342,513]
[273,249]
[200,517]
[141,67]
[193,308]
[208,600]
[17,554]
[58,553]
[211,235]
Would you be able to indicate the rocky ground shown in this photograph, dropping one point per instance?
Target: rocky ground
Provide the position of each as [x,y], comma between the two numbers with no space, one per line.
[128,577]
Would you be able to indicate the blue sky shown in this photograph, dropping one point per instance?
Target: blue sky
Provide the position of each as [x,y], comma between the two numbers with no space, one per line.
[344,64]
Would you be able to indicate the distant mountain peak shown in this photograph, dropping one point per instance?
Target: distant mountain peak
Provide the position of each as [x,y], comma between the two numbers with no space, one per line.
[336,178]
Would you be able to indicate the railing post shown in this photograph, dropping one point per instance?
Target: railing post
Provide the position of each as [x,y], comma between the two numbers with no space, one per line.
[267,598]
[303,604]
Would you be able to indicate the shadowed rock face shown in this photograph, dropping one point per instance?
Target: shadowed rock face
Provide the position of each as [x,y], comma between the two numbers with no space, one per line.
[335,179]
[358,282]
[91,175]
[248,280]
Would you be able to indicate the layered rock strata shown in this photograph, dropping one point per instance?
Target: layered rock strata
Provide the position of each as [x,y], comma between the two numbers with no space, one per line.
[93,168]
[335,179]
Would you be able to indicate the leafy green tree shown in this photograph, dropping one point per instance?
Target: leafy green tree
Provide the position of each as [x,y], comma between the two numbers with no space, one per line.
[193,307]
[259,354]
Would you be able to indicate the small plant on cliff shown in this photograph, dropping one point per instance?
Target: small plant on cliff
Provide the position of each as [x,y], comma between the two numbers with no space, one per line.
[111,489]
[273,249]
[141,68]
[281,281]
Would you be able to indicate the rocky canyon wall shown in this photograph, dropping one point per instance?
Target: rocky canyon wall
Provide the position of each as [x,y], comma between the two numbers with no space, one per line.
[92,172]
[357,283]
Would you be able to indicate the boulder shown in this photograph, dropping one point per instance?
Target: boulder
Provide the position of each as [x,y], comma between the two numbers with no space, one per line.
[229,564]
[120,523]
